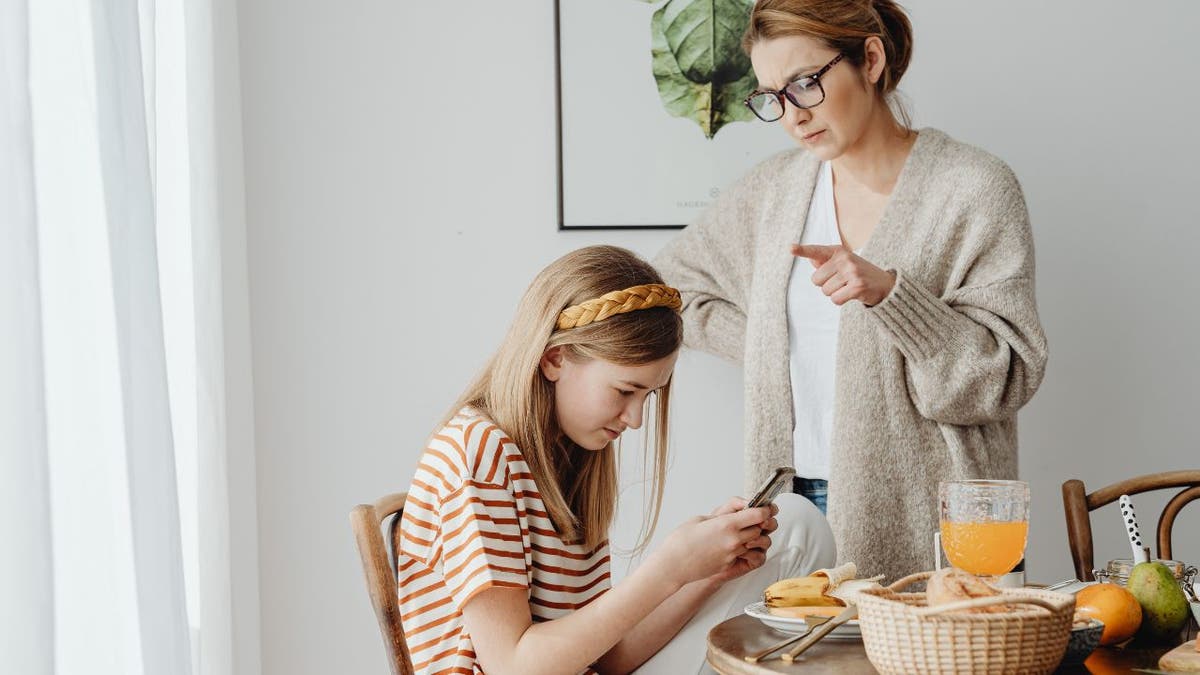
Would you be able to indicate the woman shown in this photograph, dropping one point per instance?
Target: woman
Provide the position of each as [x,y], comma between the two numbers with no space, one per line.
[890,269]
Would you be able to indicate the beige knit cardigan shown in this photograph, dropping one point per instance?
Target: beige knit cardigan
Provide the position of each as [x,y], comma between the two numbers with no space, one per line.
[928,382]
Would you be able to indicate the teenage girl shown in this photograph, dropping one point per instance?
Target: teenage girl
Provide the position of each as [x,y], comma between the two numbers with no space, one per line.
[504,563]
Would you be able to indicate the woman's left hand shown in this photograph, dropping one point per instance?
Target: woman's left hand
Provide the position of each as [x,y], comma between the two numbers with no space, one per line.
[844,276]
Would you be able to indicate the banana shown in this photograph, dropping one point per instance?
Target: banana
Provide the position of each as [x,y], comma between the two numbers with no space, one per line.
[801,612]
[800,592]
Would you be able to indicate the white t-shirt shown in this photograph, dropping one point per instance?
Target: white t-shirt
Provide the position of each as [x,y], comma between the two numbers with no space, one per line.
[812,339]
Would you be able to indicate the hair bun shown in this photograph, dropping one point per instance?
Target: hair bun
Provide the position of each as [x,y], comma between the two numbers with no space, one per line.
[897,39]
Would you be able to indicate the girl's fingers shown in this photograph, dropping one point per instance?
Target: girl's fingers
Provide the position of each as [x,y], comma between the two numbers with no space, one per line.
[750,534]
[749,518]
[754,558]
[734,505]
[762,542]
[751,526]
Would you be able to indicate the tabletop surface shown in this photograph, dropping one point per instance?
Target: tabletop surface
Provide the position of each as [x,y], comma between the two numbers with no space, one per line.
[730,641]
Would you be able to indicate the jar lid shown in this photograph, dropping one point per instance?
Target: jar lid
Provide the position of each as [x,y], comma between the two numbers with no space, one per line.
[1122,567]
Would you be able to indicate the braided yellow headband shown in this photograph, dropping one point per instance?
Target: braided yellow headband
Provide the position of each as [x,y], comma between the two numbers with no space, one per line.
[619,302]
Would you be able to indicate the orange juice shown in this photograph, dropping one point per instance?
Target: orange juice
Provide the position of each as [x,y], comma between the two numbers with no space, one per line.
[985,547]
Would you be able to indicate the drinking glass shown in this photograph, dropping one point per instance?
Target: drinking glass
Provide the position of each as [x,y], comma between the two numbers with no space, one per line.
[984,524]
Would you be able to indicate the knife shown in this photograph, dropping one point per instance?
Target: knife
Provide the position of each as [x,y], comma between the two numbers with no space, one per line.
[851,612]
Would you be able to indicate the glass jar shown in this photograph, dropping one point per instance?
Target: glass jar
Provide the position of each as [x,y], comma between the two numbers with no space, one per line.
[1117,572]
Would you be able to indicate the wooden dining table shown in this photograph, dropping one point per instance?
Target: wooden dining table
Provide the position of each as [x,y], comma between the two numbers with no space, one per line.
[731,640]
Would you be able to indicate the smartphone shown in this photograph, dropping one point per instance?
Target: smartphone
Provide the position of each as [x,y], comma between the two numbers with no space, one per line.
[780,481]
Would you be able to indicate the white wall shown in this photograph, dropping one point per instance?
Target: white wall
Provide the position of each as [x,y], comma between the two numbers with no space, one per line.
[389,238]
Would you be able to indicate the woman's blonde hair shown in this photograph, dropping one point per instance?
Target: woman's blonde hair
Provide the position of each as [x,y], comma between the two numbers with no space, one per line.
[844,26]
[578,486]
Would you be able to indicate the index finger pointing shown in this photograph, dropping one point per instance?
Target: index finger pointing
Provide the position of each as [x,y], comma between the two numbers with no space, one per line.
[817,253]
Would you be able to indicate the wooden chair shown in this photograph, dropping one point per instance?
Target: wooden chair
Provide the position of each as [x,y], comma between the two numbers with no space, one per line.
[379,567]
[1078,505]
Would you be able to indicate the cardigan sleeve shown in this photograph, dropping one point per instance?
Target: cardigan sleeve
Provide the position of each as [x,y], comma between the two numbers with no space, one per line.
[710,262]
[976,354]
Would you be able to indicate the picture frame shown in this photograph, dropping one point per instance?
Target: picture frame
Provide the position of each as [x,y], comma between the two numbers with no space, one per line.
[625,160]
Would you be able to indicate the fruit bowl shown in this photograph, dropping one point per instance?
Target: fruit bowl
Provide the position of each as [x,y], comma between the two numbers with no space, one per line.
[1083,641]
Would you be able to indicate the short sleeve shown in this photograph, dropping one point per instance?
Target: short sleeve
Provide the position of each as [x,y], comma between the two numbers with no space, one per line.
[483,541]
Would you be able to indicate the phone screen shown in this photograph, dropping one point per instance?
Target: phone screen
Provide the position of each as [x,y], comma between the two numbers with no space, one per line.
[780,479]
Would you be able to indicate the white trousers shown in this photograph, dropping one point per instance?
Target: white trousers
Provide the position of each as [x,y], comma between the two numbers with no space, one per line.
[802,543]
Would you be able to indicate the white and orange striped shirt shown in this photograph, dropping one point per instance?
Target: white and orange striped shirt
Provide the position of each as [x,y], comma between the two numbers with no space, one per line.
[474,519]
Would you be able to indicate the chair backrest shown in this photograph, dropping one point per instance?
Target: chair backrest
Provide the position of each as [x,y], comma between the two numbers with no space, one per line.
[1078,505]
[379,567]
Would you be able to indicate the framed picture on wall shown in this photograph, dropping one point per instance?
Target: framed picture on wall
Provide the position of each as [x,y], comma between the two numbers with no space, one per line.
[651,120]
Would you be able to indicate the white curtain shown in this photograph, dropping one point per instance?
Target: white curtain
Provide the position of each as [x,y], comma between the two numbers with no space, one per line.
[113,490]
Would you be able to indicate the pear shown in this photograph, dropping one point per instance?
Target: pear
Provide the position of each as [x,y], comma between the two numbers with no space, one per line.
[1164,608]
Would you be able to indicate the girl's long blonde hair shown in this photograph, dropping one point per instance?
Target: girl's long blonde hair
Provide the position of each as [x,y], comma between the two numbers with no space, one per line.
[578,486]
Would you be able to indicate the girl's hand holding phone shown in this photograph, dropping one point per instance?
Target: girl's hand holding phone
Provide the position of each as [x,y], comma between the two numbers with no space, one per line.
[722,546]
[754,557]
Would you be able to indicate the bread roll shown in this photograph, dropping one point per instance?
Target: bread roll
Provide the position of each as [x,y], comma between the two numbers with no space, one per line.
[953,585]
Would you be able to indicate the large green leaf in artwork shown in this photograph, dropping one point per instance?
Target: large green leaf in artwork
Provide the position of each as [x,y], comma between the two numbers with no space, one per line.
[701,71]
[706,38]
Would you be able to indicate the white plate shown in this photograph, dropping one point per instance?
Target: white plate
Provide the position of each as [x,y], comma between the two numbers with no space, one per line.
[787,624]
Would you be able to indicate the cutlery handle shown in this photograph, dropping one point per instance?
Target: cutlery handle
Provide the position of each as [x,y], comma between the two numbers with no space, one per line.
[818,633]
[1140,553]
[759,656]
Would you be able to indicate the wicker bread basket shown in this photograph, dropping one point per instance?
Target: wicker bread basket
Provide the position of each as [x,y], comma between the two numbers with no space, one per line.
[903,636]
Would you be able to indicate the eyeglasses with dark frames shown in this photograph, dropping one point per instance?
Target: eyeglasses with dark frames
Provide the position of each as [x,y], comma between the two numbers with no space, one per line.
[804,93]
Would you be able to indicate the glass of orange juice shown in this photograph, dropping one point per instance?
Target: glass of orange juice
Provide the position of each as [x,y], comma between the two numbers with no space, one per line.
[984,524]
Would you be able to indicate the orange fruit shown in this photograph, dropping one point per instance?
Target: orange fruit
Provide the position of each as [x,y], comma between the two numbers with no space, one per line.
[1115,606]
